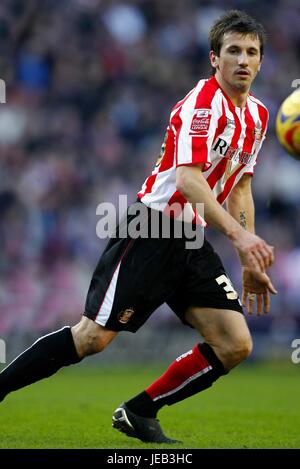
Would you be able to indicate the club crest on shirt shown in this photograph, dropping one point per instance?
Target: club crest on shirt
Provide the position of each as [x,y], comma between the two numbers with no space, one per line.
[200,122]
[230,122]
[125,315]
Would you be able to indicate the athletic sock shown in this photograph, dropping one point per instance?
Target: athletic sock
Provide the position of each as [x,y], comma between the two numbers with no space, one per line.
[189,374]
[44,358]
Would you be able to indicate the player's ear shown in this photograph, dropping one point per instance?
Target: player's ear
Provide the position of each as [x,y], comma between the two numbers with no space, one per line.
[214,59]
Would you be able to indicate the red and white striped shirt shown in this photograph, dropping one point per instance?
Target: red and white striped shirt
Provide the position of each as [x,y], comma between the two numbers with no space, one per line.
[205,127]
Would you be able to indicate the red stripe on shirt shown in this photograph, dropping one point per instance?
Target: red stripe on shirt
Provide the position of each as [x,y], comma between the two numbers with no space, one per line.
[250,125]
[168,158]
[177,123]
[217,172]
[177,197]
[222,121]
[200,150]
[149,183]
[228,185]
[206,94]
[238,127]
[182,101]
[264,116]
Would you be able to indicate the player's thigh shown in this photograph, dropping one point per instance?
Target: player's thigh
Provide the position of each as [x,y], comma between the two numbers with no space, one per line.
[132,279]
[206,286]
[226,331]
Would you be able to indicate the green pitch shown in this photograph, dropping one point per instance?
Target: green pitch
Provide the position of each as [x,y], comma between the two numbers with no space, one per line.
[253,407]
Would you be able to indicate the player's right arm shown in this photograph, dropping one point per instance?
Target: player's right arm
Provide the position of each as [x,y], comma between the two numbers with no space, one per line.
[253,251]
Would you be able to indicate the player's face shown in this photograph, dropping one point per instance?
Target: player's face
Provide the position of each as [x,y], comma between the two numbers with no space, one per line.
[239,61]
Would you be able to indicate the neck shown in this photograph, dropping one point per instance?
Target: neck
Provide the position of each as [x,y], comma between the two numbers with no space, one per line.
[238,96]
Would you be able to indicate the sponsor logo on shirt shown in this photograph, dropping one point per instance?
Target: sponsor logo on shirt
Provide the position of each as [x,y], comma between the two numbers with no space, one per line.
[200,122]
[233,154]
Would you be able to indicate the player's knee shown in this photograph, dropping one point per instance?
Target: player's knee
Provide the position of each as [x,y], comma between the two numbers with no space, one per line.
[91,343]
[94,343]
[90,338]
[237,351]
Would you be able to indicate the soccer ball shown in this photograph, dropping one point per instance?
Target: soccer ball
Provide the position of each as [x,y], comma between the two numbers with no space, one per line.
[288,124]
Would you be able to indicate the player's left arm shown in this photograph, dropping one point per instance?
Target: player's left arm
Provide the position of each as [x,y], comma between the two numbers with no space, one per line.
[256,284]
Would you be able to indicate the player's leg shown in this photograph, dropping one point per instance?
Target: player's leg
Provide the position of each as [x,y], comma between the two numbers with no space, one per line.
[227,342]
[69,346]
[90,337]
[53,351]
[225,332]
[218,319]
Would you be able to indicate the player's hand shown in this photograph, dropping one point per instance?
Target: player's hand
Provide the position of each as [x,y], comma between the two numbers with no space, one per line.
[254,252]
[257,286]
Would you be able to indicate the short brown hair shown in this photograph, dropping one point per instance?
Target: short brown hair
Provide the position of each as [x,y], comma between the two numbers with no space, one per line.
[238,22]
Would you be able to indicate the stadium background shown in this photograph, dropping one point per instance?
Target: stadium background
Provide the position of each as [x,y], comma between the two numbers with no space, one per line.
[89,87]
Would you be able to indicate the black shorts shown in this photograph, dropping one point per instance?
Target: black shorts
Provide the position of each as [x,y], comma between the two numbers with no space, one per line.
[134,276]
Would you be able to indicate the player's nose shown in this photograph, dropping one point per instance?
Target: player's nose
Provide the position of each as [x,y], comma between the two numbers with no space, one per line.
[243,59]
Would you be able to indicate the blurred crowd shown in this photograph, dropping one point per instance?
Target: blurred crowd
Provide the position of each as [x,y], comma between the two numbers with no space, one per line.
[89,87]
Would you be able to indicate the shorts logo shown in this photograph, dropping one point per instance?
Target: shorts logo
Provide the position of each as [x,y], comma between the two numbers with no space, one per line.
[200,122]
[125,315]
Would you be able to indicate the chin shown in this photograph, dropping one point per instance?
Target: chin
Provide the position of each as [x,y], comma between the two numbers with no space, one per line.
[241,86]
